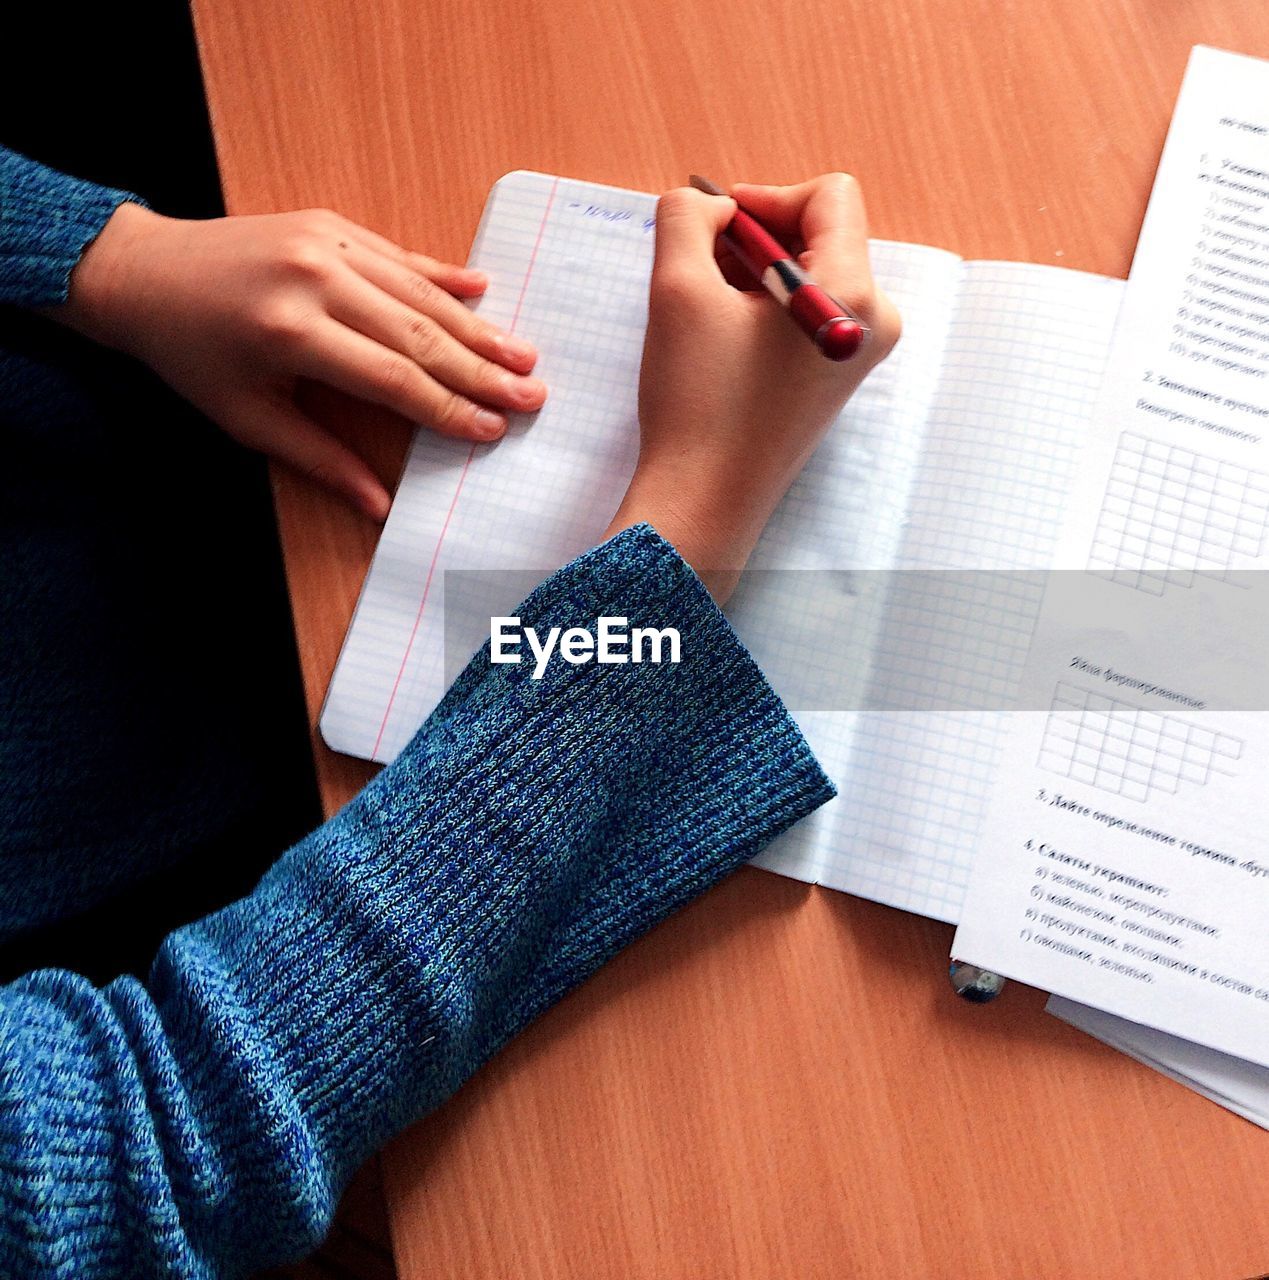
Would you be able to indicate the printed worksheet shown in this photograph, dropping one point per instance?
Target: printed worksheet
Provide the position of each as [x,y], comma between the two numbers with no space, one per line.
[1126,854]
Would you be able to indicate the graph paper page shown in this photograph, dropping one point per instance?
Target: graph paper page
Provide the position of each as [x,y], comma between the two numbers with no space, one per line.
[1122,864]
[998,455]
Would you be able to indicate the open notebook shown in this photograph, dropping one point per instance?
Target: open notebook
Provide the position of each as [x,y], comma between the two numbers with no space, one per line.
[957,454]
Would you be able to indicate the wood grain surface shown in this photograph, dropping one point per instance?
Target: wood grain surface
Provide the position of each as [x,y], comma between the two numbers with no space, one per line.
[777,1082]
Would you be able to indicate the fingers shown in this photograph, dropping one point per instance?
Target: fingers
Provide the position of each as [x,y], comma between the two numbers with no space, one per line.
[356,312]
[428,296]
[357,364]
[274,426]
[688,224]
[438,352]
[424,283]
[462,282]
[827,215]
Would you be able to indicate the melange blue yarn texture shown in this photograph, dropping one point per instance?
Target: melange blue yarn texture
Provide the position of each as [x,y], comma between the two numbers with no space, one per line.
[204,1122]
[46,221]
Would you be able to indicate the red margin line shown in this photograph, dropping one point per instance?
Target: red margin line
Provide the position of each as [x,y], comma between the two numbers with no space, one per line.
[458,488]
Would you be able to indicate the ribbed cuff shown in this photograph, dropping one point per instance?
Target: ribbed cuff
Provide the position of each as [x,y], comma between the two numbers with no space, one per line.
[530,830]
[47,220]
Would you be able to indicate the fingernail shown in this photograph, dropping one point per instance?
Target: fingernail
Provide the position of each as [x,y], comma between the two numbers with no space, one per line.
[476,277]
[526,392]
[515,347]
[488,425]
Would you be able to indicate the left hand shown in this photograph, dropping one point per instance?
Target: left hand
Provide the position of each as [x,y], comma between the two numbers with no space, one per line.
[232,312]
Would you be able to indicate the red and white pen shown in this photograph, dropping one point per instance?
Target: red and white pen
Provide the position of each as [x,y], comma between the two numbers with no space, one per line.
[831,325]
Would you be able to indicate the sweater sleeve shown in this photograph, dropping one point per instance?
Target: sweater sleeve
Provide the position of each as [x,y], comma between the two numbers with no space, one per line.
[47,220]
[203,1123]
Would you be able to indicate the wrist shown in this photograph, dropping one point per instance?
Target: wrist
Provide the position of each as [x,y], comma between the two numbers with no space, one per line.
[97,304]
[711,526]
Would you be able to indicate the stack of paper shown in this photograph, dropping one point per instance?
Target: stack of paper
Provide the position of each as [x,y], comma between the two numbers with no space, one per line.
[1125,859]
[1235,1083]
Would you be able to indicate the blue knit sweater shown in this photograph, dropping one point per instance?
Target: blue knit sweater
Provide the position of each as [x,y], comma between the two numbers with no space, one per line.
[203,1123]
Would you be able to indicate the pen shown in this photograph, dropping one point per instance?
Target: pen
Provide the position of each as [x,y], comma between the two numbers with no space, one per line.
[832,326]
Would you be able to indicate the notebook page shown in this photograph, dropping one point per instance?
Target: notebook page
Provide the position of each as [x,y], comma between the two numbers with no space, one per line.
[553,249]
[1022,368]
[569,263]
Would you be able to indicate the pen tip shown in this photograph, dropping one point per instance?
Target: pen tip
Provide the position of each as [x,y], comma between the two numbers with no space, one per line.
[705,185]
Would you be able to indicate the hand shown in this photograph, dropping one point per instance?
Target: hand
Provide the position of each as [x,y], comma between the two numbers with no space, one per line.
[733,396]
[233,312]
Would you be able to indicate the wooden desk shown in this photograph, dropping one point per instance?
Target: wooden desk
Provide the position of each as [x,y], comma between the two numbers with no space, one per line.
[777,1083]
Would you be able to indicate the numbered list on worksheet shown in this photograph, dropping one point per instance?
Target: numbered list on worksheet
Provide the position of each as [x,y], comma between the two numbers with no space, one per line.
[1126,858]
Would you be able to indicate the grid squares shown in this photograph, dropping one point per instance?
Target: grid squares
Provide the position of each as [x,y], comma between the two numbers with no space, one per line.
[998,449]
[1127,750]
[1170,514]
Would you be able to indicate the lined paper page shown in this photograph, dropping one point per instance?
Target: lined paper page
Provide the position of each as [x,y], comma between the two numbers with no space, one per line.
[1022,371]
[568,264]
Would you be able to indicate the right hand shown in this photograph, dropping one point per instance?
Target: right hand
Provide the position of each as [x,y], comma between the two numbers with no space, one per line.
[733,396]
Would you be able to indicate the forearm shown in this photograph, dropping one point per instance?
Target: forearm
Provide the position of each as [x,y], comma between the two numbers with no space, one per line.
[47,219]
[530,830]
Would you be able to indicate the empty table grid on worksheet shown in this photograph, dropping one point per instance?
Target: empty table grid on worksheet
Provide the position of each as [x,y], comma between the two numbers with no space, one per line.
[1170,513]
[1127,750]
[984,514]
